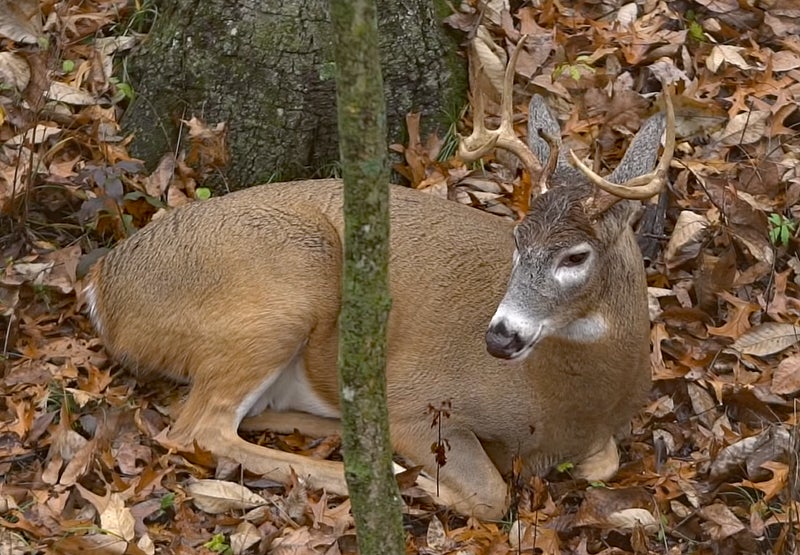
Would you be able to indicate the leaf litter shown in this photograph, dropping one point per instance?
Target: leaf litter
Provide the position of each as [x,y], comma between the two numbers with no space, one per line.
[710,464]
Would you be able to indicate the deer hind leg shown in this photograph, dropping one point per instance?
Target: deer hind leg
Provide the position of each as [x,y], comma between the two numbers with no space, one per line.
[226,386]
[600,465]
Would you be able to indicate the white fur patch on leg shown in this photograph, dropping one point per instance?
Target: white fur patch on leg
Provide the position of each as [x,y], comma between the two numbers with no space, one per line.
[90,291]
[601,465]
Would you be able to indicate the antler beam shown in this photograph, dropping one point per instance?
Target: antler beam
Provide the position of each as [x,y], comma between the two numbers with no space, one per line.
[482,140]
[644,186]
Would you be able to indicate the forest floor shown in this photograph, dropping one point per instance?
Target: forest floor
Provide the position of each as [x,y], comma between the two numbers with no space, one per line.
[711,463]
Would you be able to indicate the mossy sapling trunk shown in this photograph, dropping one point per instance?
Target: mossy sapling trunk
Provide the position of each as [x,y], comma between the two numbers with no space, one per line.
[365,294]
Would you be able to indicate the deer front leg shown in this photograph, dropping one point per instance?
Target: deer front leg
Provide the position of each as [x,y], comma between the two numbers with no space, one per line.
[468,481]
[286,422]
[600,465]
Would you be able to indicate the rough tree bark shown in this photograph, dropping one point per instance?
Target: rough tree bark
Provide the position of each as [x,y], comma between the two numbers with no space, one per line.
[365,290]
[267,69]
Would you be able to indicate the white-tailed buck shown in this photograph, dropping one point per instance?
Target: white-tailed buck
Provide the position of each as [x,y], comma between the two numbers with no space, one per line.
[240,296]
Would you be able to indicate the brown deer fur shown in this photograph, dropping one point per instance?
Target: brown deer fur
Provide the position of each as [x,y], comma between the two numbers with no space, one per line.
[228,292]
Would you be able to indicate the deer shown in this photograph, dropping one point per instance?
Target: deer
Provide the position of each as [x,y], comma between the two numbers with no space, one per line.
[535,333]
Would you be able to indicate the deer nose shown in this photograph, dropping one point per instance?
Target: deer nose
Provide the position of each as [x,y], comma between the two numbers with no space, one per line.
[503,342]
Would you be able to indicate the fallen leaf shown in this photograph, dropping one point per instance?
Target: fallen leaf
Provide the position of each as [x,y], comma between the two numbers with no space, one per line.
[490,61]
[786,379]
[14,71]
[767,339]
[219,496]
[627,519]
[69,95]
[21,21]
[720,522]
[686,240]
[245,536]
[91,543]
[725,53]
[37,135]
[117,519]
[776,484]
[745,128]
[436,537]
[525,537]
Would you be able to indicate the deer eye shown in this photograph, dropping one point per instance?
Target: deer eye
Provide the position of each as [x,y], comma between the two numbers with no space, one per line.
[574,259]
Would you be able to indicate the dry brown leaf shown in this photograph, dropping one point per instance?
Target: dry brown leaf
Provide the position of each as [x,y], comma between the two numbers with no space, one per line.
[245,536]
[64,266]
[720,6]
[786,379]
[338,518]
[36,135]
[91,543]
[720,522]
[219,496]
[782,26]
[626,15]
[702,403]
[157,183]
[20,21]
[628,519]
[494,10]
[491,62]
[776,484]
[600,503]
[302,541]
[79,464]
[687,238]
[748,455]
[745,128]
[739,322]
[69,95]
[436,537]
[14,71]
[725,53]
[767,339]
[785,60]
[146,544]
[525,537]
[117,519]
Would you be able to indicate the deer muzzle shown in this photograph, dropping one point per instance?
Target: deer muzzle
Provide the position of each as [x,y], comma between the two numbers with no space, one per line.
[507,340]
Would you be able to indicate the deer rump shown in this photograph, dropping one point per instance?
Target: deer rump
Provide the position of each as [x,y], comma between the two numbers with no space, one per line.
[240,296]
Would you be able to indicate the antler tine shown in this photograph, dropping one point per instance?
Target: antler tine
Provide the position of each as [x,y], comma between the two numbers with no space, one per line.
[552,161]
[482,141]
[644,186]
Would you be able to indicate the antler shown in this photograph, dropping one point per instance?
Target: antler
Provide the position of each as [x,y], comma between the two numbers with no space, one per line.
[482,141]
[644,186]
[552,161]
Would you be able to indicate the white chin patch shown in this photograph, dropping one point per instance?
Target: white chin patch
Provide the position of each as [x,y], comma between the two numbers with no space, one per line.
[523,354]
[586,330]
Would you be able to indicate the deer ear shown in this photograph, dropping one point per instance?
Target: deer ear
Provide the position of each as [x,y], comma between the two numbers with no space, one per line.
[610,224]
[642,154]
[540,118]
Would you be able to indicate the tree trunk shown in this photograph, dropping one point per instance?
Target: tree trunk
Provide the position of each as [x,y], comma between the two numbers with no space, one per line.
[365,290]
[266,68]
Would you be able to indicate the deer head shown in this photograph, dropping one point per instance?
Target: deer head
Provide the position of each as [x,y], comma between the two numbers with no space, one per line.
[567,245]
